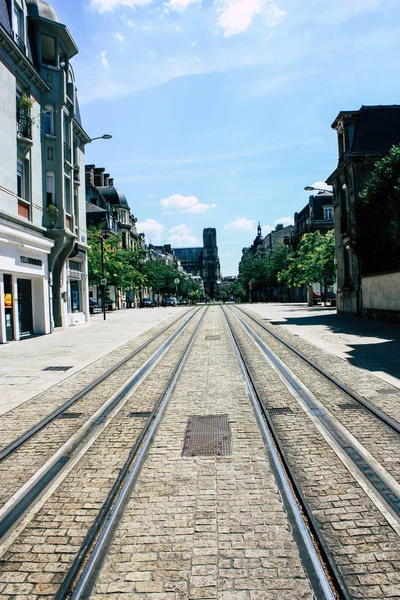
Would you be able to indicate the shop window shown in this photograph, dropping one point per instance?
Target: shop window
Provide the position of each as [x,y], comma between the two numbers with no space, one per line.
[49,56]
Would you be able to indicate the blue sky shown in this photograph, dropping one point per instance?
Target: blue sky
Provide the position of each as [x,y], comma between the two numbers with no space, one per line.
[220,110]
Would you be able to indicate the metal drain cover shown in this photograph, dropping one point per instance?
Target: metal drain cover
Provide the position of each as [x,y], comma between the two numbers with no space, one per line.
[139,415]
[351,406]
[71,415]
[213,337]
[284,410]
[57,368]
[207,436]
[388,392]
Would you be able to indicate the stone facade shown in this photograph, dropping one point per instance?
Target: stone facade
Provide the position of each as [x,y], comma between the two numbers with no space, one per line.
[364,136]
[43,271]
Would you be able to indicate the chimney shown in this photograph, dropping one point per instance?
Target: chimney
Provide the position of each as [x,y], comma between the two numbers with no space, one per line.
[279,227]
[99,176]
[111,181]
[89,175]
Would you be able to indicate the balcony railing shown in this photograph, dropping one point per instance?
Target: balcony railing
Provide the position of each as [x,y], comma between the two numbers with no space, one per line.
[24,127]
[67,152]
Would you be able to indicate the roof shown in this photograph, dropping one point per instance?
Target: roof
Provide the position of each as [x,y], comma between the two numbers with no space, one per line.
[112,195]
[92,208]
[377,129]
[4,16]
[188,254]
[39,8]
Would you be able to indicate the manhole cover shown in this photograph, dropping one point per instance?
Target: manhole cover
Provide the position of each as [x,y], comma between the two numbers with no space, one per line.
[67,415]
[351,406]
[213,337]
[207,436]
[57,368]
[388,392]
[284,410]
[139,415]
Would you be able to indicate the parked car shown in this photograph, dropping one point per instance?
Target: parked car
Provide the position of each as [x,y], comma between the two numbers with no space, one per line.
[147,303]
[170,302]
[92,306]
[183,302]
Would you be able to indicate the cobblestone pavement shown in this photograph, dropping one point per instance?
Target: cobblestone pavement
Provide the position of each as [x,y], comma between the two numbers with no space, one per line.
[37,562]
[364,546]
[205,527]
[210,527]
[21,363]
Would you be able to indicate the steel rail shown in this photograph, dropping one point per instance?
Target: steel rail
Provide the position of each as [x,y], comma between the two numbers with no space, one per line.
[81,576]
[35,488]
[18,442]
[379,414]
[293,497]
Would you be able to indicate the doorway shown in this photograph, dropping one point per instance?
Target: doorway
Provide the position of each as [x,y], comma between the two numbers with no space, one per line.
[8,305]
[25,307]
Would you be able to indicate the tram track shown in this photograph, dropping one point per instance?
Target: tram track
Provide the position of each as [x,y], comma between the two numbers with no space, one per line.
[18,442]
[323,501]
[36,489]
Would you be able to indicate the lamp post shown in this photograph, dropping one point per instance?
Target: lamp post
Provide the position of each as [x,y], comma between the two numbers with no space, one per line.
[106,136]
[103,281]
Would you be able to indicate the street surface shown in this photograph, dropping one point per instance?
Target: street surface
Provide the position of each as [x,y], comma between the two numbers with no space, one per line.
[206,515]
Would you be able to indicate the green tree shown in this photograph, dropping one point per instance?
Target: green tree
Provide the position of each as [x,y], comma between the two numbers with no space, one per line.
[161,278]
[312,261]
[378,225]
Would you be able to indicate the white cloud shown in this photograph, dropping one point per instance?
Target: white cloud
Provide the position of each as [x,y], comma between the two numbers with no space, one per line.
[120,38]
[110,5]
[236,16]
[103,59]
[241,224]
[285,221]
[181,241]
[180,230]
[152,228]
[180,5]
[178,203]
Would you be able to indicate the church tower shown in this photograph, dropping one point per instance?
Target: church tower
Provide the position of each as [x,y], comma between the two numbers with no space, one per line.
[211,270]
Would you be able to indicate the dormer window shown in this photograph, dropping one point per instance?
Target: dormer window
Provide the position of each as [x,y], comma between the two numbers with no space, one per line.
[328,213]
[19,30]
[49,56]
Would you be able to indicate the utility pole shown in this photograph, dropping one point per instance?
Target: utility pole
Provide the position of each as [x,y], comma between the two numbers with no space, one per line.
[103,281]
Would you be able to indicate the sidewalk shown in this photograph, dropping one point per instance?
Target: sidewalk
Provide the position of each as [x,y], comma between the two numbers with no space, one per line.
[22,363]
[370,345]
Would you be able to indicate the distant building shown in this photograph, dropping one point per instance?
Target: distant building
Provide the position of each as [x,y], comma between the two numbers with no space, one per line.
[364,136]
[317,215]
[280,234]
[203,261]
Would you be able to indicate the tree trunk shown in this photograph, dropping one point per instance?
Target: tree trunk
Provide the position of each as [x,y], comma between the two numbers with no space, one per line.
[310,296]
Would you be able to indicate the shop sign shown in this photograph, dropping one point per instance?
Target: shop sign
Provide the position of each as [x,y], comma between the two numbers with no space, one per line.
[7,301]
[31,261]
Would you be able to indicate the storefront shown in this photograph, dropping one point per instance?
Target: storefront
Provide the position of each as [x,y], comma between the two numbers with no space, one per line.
[77,288]
[24,285]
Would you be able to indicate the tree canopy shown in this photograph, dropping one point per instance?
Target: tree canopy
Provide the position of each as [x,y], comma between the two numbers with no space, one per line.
[312,261]
[262,271]
[378,217]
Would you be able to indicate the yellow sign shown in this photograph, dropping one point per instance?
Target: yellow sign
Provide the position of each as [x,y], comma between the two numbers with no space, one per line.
[7,300]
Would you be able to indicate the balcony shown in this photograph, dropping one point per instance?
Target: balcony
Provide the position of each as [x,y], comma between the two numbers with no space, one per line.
[67,153]
[24,133]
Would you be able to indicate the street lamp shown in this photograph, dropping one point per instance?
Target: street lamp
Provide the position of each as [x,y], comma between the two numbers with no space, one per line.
[106,136]
[310,188]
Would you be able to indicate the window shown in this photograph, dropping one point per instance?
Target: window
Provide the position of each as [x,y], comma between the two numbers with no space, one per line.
[19,26]
[49,50]
[49,187]
[21,187]
[328,212]
[48,120]
[67,195]
[76,295]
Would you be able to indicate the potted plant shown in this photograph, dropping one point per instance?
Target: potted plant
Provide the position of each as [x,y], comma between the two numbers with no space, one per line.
[76,169]
[25,103]
[53,212]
